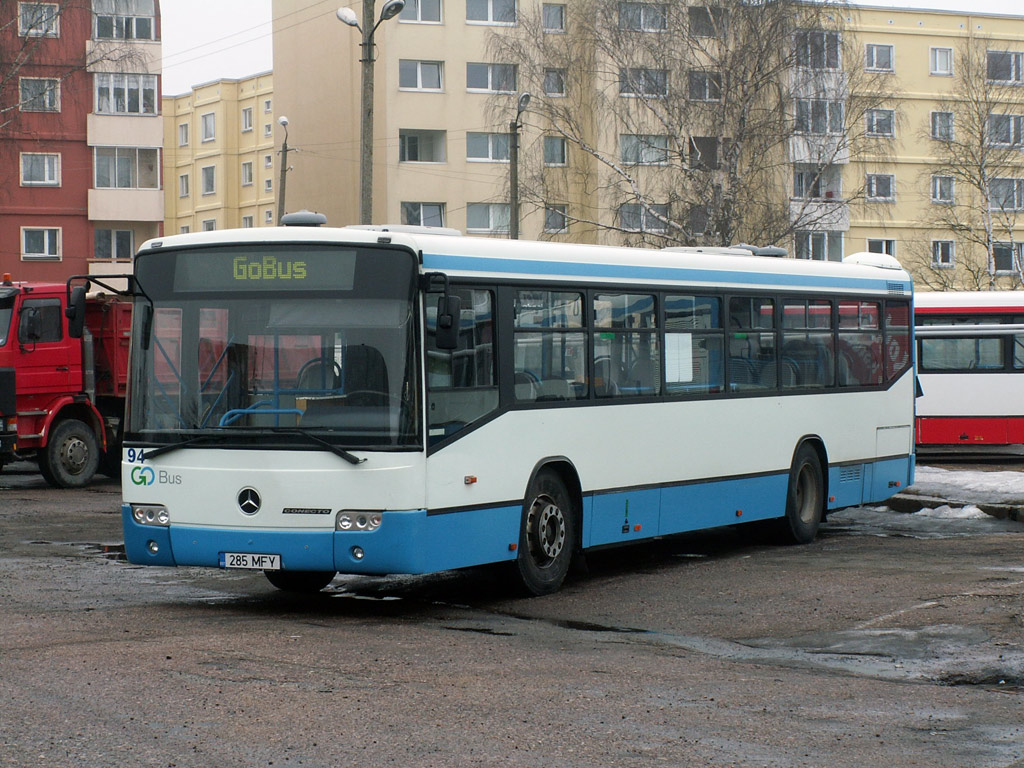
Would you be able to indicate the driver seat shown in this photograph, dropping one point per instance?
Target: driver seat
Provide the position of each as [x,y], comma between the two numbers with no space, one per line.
[365,374]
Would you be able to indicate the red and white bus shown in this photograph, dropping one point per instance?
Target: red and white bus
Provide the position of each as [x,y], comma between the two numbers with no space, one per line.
[970,354]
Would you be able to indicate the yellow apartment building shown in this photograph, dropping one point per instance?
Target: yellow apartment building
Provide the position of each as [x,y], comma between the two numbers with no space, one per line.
[915,106]
[220,165]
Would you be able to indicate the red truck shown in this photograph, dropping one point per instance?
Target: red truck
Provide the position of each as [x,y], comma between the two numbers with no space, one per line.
[62,398]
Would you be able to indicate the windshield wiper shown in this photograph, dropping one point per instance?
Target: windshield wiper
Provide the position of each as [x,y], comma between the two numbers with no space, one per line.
[350,458]
[152,453]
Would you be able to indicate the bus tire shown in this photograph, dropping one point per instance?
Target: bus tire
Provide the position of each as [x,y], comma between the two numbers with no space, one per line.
[547,535]
[71,456]
[805,498]
[300,581]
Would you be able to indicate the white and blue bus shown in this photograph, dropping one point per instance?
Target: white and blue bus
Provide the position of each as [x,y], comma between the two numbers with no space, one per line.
[307,400]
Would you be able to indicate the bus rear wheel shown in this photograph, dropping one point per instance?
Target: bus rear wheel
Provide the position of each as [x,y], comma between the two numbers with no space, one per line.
[805,499]
[300,581]
[547,535]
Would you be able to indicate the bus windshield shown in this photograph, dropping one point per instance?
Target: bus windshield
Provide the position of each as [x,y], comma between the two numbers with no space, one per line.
[276,338]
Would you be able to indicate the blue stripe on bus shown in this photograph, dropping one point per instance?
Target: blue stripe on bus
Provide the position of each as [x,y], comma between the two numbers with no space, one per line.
[624,271]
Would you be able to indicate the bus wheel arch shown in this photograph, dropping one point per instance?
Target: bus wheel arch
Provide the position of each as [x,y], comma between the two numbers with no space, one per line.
[806,494]
[549,532]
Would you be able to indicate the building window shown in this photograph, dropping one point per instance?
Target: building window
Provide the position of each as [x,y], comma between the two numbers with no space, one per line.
[942,189]
[942,126]
[246,119]
[556,218]
[422,11]
[123,19]
[268,185]
[248,222]
[419,75]
[127,168]
[491,78]
[183,190]
[940,61]
[208,126]
[491,11]
[812,183]
[555,152]
[1006,195]
[116,244]
[487,217]
[40,244]
[268,130]
[554,82]
[38,19]
[266,106]
[40,94]
[183,134]
[643,149]
[706,21]
[40,170]
[487,147]
[421,146]
[643,17]
[880,122]
[643,82]
[817,49]
[943,254]
[881,245]
[268,216]
[423,214]
[634,217]
[819,246]
[125,94]
[247,174]
[1007,257]
[703,153]
[878,58]
[209,225]
[209,179]
[1004,130]
[705,86]
[184,229]
[268,161]
[1005,66]
[881,187]
[819,117]
[553,17]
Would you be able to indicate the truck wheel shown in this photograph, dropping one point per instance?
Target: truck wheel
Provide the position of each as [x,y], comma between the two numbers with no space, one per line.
[71,456]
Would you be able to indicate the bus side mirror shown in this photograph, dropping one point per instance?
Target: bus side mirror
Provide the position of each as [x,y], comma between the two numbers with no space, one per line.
[449,313]
[75,312]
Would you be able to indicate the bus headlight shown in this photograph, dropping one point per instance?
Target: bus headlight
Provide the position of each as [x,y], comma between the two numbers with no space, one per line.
[356,520]
[151,514]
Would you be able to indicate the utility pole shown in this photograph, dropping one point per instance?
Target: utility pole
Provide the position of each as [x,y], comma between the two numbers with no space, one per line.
[281,186]
[513,166]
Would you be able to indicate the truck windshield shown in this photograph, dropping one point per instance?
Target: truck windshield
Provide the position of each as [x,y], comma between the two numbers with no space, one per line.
[6,311]
[270,338]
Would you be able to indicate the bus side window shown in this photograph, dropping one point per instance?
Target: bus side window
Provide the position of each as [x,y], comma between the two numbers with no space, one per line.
[462,384]
[549,346]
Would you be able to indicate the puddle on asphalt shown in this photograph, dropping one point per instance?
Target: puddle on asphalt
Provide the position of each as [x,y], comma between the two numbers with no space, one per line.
[113,552]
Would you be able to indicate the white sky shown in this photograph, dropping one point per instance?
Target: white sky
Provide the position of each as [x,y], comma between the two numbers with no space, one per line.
[207,40]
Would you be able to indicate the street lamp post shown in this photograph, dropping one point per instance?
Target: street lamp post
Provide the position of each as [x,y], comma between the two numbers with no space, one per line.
[284,169]
[391,9]
[513,166]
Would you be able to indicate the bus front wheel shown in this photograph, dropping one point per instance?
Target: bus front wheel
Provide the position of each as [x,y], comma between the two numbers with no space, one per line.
[805,500]
[547,534]
[300,581]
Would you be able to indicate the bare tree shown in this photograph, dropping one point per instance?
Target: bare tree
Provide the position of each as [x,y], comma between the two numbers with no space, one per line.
[976,189]
[692,124]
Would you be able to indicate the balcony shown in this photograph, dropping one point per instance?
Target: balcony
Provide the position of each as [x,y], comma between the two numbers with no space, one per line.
[126,205]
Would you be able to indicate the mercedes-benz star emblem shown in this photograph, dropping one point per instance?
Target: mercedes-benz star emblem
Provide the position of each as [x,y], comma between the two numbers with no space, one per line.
[249,501]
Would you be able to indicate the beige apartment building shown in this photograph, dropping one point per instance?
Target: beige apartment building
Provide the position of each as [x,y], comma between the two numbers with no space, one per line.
[220,163]
[913,108]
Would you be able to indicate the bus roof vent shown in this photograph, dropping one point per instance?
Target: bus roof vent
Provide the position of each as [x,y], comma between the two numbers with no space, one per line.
[764,250]
[303,219]
[409,229]
[882,260]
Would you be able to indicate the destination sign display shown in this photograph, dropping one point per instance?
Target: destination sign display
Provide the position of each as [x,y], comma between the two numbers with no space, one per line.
[264,268]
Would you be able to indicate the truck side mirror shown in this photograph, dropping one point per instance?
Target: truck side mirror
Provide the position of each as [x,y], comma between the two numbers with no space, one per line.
[30,327]
[449,314]
[75,312]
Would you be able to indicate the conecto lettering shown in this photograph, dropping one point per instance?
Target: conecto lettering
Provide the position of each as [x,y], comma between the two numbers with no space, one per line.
[268,268]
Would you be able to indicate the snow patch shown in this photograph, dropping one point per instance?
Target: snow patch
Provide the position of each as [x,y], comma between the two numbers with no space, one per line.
[946,512]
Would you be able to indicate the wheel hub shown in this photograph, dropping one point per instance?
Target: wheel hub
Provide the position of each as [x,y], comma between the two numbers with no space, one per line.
[546,526]
[74,455]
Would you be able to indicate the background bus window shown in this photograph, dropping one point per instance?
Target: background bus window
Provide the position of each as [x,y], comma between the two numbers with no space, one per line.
[859,352]
[752,344]
[808,347]
[897,339]
[550,346]
[627,360]
[951,353]
[461,383]
[694,361]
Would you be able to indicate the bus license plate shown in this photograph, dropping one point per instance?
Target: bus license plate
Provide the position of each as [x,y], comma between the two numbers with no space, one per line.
[250,561]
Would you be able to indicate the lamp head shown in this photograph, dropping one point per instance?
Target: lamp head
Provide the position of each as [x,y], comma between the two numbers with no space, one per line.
[391,9]
[523,103]
[348,16]
[283,121]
